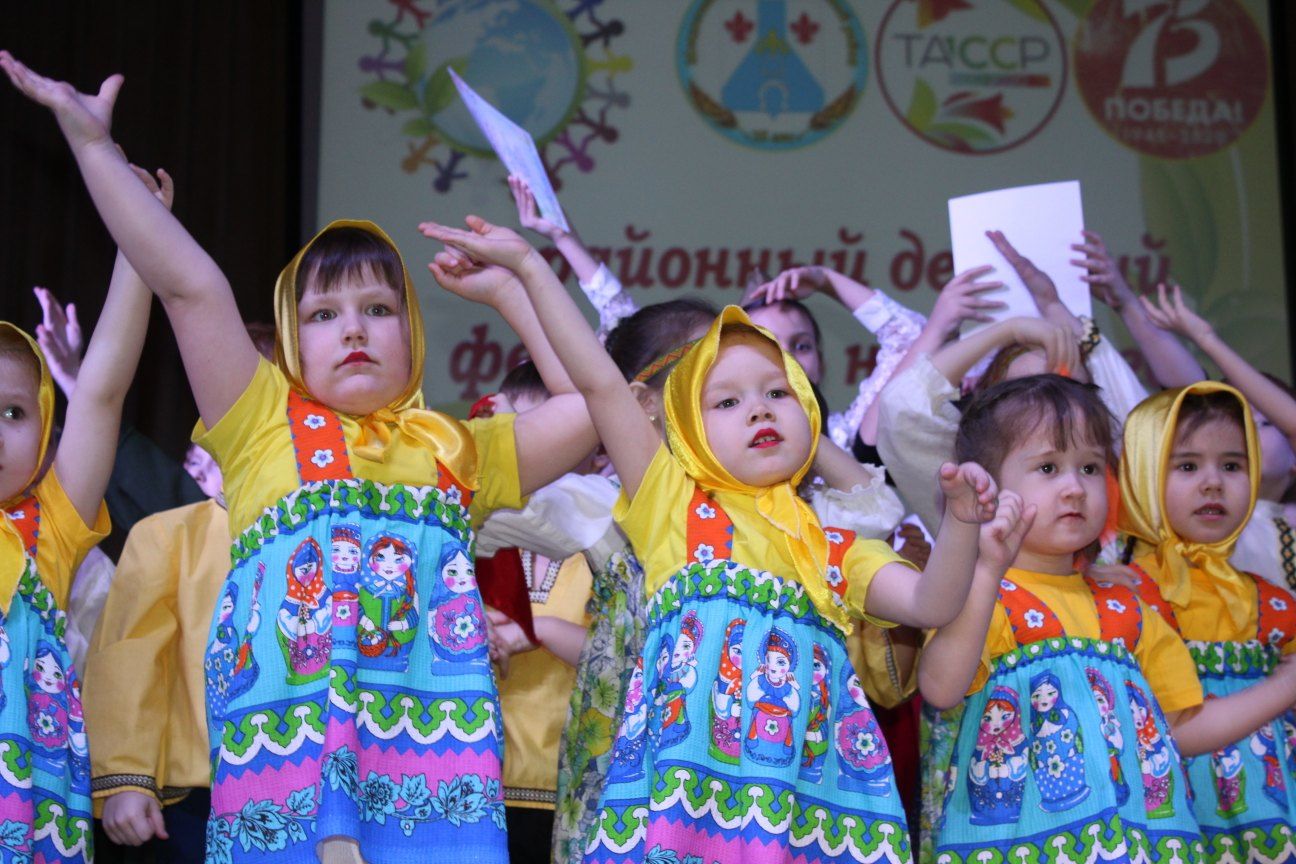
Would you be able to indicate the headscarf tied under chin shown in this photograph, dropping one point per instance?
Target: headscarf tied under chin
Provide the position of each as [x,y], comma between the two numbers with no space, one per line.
[406,415]
[12,552]
[779,505]
[1149,441]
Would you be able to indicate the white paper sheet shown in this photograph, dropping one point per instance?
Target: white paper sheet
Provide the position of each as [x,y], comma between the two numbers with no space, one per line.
[515,148]
[1041,222]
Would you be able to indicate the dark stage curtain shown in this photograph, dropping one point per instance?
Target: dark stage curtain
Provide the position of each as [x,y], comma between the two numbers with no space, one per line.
[212,94]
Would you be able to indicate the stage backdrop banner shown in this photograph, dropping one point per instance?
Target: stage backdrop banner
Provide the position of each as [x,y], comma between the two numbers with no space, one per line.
[692,141]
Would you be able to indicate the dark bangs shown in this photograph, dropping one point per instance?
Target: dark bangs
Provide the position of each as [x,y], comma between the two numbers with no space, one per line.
[349,254]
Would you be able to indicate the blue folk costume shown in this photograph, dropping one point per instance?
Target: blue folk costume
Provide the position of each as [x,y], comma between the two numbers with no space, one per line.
[348,729]
[674,791]
[45,809]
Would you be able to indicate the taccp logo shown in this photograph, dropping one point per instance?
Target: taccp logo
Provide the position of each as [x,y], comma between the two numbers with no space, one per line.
[1173,80]
[770,76]
[972,76]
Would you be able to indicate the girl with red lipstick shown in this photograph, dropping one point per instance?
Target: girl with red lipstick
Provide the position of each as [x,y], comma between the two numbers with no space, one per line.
[380,756]
[1189,477]
[715,520]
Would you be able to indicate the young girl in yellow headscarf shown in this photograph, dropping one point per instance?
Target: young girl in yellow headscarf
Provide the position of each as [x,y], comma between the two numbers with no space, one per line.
[1189,474]
[728,548]
[51,501]
[334,734]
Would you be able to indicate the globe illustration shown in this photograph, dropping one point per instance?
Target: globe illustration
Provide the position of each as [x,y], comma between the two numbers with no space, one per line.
[522,56]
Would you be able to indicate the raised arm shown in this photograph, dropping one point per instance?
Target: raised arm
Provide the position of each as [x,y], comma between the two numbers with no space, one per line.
[1058,343]
[629,437]
[555,436]
[1172,364]
[1171,313]
[960,300]
[219,357]
[88,447]
[936,596]
[950,659]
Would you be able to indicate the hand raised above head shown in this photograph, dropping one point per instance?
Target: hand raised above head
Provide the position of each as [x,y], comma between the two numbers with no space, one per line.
[1171,312]
[83,118]
[59,337]
[529,213]
[963,299]
[484,243]
[1038,283]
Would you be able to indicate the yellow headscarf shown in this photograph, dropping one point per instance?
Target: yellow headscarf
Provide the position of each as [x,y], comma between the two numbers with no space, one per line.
[445,436]
[779,505]
[1149,440]
[12,553]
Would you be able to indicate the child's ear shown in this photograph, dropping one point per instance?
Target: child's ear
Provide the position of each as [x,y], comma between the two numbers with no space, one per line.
[650,401]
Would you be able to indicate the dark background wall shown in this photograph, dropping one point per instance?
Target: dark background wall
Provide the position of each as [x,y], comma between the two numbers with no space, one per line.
[212,94]
[215,94]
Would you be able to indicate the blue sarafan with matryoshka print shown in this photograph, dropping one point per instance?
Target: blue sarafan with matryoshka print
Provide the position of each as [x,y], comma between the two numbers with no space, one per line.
[305,619]
[456,617]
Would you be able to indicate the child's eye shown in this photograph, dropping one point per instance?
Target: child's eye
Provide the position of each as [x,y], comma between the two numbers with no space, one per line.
[1047,468]
[13,412]
[1234,466]
[379,310]
[776,393]
[727,403]
[1186,467]
[803,347]
[1090,469]
[322,315]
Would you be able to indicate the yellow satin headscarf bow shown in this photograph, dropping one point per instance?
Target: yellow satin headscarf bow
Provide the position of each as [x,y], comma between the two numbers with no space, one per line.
[12,554]
[779,505]
[1149,441]
[446,437]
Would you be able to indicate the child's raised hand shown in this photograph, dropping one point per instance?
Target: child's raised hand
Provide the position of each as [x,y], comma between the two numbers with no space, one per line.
[528,213]
[797,283]
[84,119]
[162,187]
[59,337]
[484,243]
[1106,283]
[1170,312]
[489,284]
[1038,283]
[961,300]
[1061,351]
[969,492]
[1002,536]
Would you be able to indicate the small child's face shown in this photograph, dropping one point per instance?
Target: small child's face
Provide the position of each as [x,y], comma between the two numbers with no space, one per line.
[1068,488]
[754,423]
[199,465]
[794,332]
[20,426]
[354,343]
[1207,485]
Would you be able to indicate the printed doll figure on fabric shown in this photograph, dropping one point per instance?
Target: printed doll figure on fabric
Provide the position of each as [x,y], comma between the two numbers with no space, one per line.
[1065,750]
[722,535]
[1189,477]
